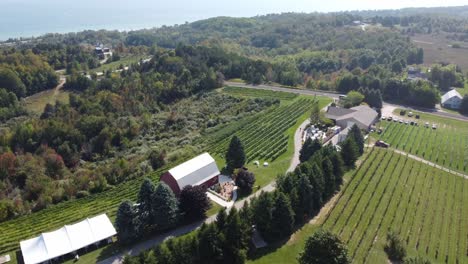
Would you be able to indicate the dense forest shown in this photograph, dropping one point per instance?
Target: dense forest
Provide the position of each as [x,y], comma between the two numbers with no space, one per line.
[117,123]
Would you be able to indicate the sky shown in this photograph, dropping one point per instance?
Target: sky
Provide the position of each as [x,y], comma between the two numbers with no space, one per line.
[35,17]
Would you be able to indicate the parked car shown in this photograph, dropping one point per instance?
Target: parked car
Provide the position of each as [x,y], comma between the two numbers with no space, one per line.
[389,118]
[382,144]
[410,114]
[434,126]
[417,116]
[426,124]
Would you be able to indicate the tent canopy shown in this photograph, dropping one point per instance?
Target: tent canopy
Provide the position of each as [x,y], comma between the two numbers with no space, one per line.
[66,239]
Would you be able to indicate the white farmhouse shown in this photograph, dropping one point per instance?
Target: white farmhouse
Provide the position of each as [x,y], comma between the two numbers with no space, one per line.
[451,99]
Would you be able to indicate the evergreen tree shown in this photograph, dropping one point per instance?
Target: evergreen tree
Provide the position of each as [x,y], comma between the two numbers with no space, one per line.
[245,180]
[262,208]
[329,178]
[308,149]
[210,244]
[125,223]
[315,113]
[282,217]
[356,134]
[194,202]
[464,105]
[317,180]
[395,247]
[165,207]
[235,155]
[236,239]
[145,201]
[324,247]
[349,152]
[221,219]
[305,195]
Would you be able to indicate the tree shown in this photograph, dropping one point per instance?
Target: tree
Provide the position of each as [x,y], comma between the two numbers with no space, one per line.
[356,134]
[145,202]
[157,159]
[308,149]
[165,207]
[194,202]
[236,238]
[8,164]
[353,98]
[221,219]
[395,247]
[329,177]
[210,244]
[245,180]
[125,223]
[464,105]
[324,247]
[235,156]
[282,217]
[416,260]
[12,82]
[262,208]
[349,152]
[316,115]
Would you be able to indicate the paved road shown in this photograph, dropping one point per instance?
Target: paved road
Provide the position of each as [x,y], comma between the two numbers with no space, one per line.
[436,112]
[136,249]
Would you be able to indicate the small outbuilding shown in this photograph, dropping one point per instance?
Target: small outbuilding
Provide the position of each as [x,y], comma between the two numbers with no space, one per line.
[452,99]
[201,170]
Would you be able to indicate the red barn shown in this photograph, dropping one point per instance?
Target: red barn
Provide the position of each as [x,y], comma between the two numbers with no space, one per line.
[201,170]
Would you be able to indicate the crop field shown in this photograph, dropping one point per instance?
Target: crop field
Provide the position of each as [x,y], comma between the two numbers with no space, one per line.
[423,204]
[437,48]
[446,146]
[239,91]
[265,137]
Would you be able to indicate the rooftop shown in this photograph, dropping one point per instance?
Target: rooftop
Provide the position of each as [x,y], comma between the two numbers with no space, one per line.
[450,94]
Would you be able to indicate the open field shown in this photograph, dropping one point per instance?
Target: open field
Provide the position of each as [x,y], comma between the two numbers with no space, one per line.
[437,49]
[392,192]
[266,136]
[446,146]
[239,91]
[389,191]
[15,230]
[37,102]
[125,61]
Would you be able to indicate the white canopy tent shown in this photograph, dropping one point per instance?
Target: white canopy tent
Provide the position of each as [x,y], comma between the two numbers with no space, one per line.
[67,239]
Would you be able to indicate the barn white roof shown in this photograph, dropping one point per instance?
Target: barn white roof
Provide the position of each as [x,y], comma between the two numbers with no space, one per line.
[195,171]
[66,239]
[450,94]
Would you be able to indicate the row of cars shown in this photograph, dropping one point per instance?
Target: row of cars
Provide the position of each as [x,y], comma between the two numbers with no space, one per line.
[406,122]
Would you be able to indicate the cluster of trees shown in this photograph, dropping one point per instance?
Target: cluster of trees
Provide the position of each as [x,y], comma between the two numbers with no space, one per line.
[158,209]
[24,73]
[9,106]
[447,76]
[274,215]
[378,84]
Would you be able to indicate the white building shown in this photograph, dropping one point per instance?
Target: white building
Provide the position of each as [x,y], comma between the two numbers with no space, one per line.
[68,239]
[363,116]
[452,99]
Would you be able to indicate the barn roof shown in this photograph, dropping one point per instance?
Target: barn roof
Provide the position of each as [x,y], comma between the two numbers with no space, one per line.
[67,239]
[195,171]
[362,114]
[450,94]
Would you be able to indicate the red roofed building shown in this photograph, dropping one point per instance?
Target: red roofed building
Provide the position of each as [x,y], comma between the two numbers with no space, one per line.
[201,170]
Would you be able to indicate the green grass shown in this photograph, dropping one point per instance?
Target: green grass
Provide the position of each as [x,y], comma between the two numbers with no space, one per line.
[125,61]
[463,91]
[246,92]
[446,146]
[37,102]
[389,191]
[423,204]
[267,137]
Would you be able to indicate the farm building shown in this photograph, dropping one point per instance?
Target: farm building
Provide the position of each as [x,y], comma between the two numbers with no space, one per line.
[363,116]
[451,99]
[201,170]
[68,239]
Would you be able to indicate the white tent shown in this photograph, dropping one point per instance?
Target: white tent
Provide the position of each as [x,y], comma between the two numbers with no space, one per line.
[67,239]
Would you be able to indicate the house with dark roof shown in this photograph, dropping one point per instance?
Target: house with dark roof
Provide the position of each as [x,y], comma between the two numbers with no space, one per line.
[363,116]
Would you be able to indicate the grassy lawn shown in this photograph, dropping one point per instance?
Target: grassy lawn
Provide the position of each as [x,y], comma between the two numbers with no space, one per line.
[125,61]
[37,102]
[463,91]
